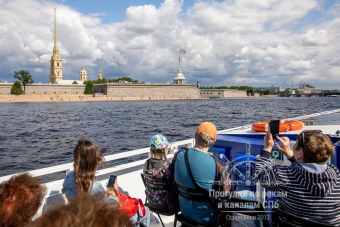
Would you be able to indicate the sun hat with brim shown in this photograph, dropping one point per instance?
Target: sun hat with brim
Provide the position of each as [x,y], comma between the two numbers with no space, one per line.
[159,142]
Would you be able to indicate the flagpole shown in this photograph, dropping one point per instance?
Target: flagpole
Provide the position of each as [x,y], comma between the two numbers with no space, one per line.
[179,58]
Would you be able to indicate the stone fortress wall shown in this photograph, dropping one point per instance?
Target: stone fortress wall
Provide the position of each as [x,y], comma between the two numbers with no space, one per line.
[222,93]
[45,89]
[149,91]
[136,91]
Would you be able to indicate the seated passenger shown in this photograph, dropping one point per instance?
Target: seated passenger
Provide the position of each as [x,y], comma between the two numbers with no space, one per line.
[158,167]
[20,198]
[86,157]
[84,210]
[309,187]
[206,170]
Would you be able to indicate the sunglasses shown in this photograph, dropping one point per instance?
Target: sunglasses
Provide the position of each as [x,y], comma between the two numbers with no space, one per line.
[303,136]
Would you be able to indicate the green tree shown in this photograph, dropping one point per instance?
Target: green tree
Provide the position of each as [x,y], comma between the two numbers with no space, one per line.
[266,92]
[16,88]
[260,92]
[75,82]
[89,89]
[25,77]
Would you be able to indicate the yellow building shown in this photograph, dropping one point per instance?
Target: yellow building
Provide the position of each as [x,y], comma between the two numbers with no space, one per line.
[83,74]
[100,76]
[56,72]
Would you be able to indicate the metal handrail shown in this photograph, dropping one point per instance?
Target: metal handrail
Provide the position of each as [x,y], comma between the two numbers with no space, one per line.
[69,166]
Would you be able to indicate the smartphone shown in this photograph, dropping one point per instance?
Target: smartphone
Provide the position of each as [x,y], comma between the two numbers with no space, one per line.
[274,128]
[111,182]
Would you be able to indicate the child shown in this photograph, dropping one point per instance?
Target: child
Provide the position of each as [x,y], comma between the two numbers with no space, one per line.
[155,168]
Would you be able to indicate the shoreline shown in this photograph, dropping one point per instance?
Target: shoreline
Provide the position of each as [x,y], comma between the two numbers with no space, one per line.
[90,98]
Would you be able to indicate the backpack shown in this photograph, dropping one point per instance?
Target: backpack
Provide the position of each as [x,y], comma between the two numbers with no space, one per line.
[159,189]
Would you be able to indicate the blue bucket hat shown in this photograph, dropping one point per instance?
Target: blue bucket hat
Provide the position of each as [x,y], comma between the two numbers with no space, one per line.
[159,141]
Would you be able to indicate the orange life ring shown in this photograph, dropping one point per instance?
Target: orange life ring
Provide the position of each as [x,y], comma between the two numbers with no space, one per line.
[284,126]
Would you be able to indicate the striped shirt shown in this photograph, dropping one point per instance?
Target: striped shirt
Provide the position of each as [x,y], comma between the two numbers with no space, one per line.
[311,195]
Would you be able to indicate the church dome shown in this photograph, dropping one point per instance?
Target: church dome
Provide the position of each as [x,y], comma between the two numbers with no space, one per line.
[83,71]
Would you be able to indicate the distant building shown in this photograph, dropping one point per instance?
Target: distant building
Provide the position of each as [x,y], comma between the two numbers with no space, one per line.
[100,76]
[272,89]
[179,78]
[83,74]
[308,89]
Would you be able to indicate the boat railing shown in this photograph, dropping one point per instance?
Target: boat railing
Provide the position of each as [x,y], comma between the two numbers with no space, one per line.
[54,187]
[67,167]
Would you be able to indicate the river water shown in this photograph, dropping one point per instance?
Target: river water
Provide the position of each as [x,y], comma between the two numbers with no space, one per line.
[37,135]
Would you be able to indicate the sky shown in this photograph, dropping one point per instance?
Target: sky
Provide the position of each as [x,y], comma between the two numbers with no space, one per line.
[228,43]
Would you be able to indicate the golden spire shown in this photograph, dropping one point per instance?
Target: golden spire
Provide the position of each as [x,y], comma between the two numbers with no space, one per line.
[55,26]
[83,66]
[55,48]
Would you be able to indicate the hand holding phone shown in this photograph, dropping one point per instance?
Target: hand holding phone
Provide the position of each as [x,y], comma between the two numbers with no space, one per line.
[274,128]
[111,182]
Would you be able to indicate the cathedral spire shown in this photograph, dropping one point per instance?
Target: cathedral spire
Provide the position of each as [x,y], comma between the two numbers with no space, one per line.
[55,26]
[56,69]
[55,48]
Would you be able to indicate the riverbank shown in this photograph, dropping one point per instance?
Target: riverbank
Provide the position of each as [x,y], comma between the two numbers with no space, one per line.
[85,98]
[72,98]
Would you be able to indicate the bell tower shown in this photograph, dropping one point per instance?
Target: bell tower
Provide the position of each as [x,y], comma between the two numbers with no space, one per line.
[83,74]
[100,76]
[56,72]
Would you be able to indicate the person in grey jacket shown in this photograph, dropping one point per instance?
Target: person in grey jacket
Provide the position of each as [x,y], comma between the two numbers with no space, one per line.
[309,187]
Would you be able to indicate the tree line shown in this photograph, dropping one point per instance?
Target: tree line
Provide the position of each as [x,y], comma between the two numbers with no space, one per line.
[104,80]
[89,88]
[249,89]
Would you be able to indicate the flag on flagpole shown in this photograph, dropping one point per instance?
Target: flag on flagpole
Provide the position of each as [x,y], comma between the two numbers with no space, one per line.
[182,51]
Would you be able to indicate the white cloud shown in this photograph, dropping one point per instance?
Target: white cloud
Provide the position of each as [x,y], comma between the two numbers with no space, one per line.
[253,42]
[38,70]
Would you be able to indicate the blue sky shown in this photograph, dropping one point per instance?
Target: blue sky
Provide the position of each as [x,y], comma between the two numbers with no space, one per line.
[114,10]
[232,42]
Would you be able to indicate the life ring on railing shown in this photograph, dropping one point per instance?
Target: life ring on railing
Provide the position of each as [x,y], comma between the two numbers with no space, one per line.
[284,126]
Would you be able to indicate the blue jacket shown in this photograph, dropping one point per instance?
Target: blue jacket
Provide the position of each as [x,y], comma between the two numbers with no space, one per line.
[203,169]
[70,188]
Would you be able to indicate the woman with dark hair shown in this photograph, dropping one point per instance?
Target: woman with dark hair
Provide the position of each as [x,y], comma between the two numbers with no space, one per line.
[87,157]
[20,198]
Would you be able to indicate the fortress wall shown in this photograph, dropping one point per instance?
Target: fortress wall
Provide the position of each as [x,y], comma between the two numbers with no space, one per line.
[5,89]
[223,93]
[150,91]
[54,89]
[48,89]
[235,94]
